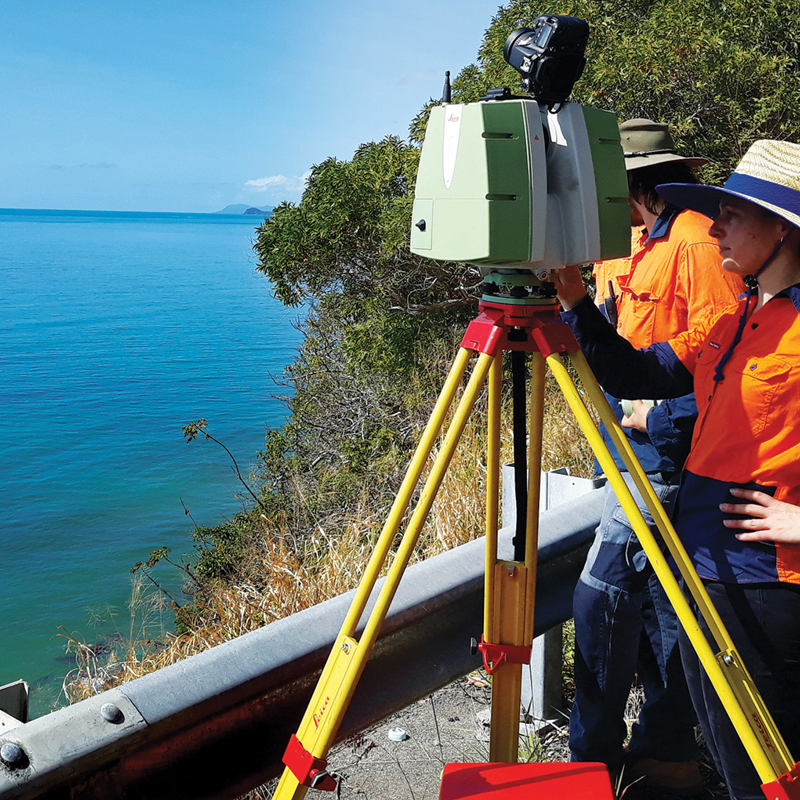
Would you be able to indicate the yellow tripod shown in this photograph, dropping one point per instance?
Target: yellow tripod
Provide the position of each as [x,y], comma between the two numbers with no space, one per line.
[510,585]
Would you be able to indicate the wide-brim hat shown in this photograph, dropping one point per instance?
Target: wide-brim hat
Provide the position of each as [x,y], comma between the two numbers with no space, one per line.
[768,175]
[645,143]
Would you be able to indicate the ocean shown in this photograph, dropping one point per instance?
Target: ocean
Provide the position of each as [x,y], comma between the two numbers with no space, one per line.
[118,329]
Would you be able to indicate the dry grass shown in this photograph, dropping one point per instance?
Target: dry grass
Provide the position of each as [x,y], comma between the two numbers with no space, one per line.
[563,442]
[282,575]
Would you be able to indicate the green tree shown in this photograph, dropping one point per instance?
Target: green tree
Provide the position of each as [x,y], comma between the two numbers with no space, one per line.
[346,243]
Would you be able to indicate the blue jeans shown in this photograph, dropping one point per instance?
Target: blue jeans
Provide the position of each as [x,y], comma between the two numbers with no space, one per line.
[624,626]
[763,619]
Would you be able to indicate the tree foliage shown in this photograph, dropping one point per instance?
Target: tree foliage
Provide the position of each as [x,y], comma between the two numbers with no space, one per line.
[346,243]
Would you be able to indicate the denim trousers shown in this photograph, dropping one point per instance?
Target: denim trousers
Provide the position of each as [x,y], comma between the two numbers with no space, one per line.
[763,620]
[625,626]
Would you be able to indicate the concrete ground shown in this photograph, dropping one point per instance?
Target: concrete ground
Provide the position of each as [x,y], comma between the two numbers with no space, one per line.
[440,729]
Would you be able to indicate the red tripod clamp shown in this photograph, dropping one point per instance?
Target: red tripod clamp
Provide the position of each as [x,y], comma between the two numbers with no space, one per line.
[543,329]
[495,655]
[308,769]
[786,787]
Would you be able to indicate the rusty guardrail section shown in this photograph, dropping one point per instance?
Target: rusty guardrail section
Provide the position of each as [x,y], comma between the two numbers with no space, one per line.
[216,724]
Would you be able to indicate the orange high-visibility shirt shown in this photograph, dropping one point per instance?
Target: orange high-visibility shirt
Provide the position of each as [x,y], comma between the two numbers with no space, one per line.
[747,431]
[676,281]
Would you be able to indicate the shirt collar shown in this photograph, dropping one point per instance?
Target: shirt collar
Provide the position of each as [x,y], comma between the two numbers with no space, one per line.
[793,293]
[662,224]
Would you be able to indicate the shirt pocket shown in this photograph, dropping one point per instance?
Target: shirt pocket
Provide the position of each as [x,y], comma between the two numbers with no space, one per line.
[764,390]
[643,310]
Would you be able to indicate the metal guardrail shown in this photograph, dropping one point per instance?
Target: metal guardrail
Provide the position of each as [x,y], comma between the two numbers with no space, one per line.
[216,725]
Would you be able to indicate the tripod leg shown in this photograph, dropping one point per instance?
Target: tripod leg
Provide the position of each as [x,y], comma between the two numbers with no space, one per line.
[737,692]
[407,488]
[511,585]
[347,659]
[427,496]
[508,624]
[662,521]
[506,596]
[727,661]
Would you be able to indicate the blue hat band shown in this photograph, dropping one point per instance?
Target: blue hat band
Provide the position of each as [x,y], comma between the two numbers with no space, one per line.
[768,192]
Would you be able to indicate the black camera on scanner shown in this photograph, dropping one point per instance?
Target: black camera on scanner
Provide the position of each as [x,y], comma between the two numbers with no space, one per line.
[549,56]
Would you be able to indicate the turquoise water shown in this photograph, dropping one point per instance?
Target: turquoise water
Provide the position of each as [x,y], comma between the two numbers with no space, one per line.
[117,329]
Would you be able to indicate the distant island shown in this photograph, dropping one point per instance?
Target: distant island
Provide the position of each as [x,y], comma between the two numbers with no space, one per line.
[240,208]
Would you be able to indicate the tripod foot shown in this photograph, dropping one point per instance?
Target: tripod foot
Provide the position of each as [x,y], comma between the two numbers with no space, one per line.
[573,781]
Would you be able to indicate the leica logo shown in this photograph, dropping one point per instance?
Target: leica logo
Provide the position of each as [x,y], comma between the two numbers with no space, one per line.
[764,735]
[318,715]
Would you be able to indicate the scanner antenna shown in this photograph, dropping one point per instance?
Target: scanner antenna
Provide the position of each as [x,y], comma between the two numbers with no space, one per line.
[447,95]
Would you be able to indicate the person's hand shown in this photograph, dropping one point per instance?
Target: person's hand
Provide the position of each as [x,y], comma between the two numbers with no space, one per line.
[638,417]
[770,520]
[569,286]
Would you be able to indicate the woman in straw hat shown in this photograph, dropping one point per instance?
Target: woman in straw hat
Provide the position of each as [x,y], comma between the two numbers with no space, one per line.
[744,367]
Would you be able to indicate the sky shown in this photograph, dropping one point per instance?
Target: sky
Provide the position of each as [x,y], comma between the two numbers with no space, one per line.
[192,106]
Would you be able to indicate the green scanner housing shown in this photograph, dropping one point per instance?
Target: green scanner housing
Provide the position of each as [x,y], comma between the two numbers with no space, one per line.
[506,184]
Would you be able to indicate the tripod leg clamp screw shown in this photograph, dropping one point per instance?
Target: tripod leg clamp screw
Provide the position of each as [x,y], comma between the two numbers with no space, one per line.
[307,768]
[495,655]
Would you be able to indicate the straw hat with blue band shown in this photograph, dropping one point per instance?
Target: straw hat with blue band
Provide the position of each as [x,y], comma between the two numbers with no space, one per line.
[768,175]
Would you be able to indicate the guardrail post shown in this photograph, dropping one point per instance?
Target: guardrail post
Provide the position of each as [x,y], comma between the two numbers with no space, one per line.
[13,705]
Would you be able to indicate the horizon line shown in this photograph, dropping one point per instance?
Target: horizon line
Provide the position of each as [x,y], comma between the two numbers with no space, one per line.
[120,211]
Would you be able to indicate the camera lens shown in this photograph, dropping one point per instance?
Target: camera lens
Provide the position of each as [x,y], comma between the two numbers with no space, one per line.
[517,39]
